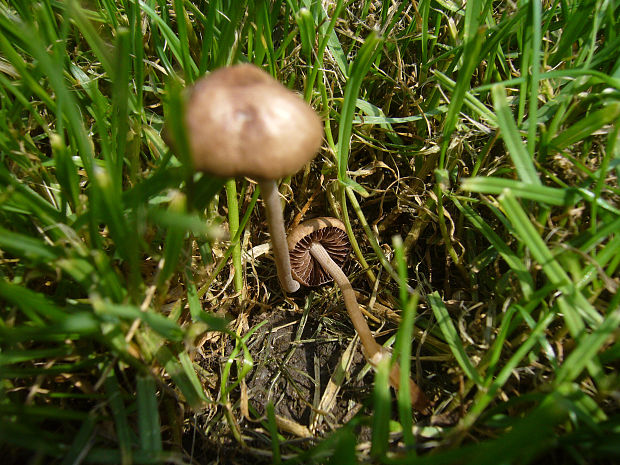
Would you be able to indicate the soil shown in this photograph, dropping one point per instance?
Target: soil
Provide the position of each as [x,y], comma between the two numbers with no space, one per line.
[285,368]
[284,373]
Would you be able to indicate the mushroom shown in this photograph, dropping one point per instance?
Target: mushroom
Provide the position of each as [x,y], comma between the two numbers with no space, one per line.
[318,248]
[242,122]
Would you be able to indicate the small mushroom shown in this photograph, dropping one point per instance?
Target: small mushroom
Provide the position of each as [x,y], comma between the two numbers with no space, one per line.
[242,122]
[318,248]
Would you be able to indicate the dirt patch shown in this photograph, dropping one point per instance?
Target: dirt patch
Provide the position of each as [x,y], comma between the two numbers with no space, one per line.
[293,366]
[294,358]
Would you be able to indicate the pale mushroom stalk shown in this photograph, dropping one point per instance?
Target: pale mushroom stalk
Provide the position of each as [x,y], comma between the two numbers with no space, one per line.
[318,248]
[275,223]
[373,351]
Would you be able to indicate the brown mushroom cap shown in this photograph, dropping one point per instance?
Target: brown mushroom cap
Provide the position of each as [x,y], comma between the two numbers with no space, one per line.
[332,235]
[242,122]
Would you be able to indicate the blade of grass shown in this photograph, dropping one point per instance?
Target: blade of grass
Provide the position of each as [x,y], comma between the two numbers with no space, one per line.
[525,279]
[518,153]
[173,242]
[233,227]
[244,367]
[370,235]
[113,215]
[450,335]
[123,431]
[232,18]
[490,389]
[344,448]
[359,69]
[331,40]
[612,152]
[471,58]
[22,68]
[526,232]
[521,189]
[189,67]
[535,53]
[183,378]
[402,346]
[91,35]
[31,199]
[381,406]
[149,427]
[27,247]
[172,40]
[82,443]
[587,348]
[424,7]
[307,31]
[586,126]
[273,432]
[120,107]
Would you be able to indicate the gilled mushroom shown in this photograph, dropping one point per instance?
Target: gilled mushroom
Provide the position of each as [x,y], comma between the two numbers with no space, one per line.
[242,122]
[318,248]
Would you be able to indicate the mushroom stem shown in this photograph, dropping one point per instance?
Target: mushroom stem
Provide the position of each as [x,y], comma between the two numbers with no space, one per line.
[373,351]
[275,223]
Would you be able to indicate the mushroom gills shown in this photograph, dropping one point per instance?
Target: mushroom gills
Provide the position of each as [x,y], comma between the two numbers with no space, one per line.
[309,272]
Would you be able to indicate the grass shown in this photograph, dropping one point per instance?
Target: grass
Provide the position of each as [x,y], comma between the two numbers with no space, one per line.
[472,150]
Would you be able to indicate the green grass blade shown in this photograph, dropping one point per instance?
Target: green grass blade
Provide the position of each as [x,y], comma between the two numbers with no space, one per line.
[273,431]
[518,153]
[472,19]
[527,438]
[92,36]
[25,437]
[359,69]
[535,53]
[402,347]
[451,337]
[22,68]
[37,306]
[344,449]
[149,427]
[587,126]
[189,66]
[233,226]
[121,422]
[27,247]
[521,189]
[158,322]
[173,243]
[587,348]
[492,386]
[182,377]
[330,38]
[381,416]
[120,106]
[513,261]
[577,307]
[82,442]
[470,58]
[31,199]
[307,32]
[172,40]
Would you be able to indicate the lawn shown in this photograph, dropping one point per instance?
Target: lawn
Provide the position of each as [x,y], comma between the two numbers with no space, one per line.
[471,151]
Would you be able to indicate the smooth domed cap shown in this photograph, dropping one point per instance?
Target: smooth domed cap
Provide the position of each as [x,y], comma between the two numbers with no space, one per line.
[332,235]
[242,122]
